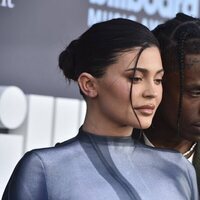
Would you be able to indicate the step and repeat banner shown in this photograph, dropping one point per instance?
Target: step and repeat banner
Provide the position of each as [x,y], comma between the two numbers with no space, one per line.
[33,33]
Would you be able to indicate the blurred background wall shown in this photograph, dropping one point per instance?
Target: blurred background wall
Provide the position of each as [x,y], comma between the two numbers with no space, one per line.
[37,107]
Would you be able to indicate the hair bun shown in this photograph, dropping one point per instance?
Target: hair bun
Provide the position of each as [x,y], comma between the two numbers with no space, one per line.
[67,60]
[184,18]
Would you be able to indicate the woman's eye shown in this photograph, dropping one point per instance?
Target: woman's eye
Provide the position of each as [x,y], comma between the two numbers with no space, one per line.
[158,81]
[135,79]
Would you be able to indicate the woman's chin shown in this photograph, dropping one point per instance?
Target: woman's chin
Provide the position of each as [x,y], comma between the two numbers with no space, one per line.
[145,125]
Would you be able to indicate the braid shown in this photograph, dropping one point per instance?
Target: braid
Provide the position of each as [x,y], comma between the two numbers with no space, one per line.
[178,37]
[181,64]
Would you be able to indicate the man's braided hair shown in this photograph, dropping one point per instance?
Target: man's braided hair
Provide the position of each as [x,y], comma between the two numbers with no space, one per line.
[178,37]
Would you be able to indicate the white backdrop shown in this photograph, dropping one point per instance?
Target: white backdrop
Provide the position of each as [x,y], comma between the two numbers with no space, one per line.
[47,120]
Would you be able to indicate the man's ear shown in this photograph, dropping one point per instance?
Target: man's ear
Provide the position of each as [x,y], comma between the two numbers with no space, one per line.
[87,84]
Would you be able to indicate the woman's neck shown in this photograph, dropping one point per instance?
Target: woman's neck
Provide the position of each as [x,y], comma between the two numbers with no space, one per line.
[99,124]
[107,131]
[104,127]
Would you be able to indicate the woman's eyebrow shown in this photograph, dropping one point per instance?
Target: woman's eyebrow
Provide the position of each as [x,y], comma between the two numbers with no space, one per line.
[137,69]
[160,71]
[143,70]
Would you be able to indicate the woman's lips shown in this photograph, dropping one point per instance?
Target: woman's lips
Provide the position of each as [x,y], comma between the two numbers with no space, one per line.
[146,110]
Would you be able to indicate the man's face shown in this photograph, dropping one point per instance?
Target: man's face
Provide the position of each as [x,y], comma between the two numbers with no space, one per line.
[190,115]
[191,99]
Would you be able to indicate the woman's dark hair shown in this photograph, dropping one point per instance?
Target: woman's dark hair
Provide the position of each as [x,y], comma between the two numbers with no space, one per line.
[178,37]
[100,45]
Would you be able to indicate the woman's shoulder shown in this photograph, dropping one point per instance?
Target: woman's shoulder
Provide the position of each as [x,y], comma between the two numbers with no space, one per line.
[35,166]
[60,149]
[163,155]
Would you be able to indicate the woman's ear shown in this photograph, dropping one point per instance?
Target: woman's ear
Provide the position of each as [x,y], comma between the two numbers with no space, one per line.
[87,84]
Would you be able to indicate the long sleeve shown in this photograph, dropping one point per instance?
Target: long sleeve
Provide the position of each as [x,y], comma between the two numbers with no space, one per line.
[28,180]
[194,187]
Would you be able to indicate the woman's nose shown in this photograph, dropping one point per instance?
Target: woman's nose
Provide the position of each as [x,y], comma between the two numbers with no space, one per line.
[150,91]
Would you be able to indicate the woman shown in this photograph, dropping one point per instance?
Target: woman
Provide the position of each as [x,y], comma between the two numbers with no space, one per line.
[118,68]
[177,122]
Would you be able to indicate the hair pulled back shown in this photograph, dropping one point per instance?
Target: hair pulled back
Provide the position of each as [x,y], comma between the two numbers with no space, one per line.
[100,45]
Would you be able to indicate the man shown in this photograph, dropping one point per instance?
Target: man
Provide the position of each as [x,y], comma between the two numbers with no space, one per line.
[177,121]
